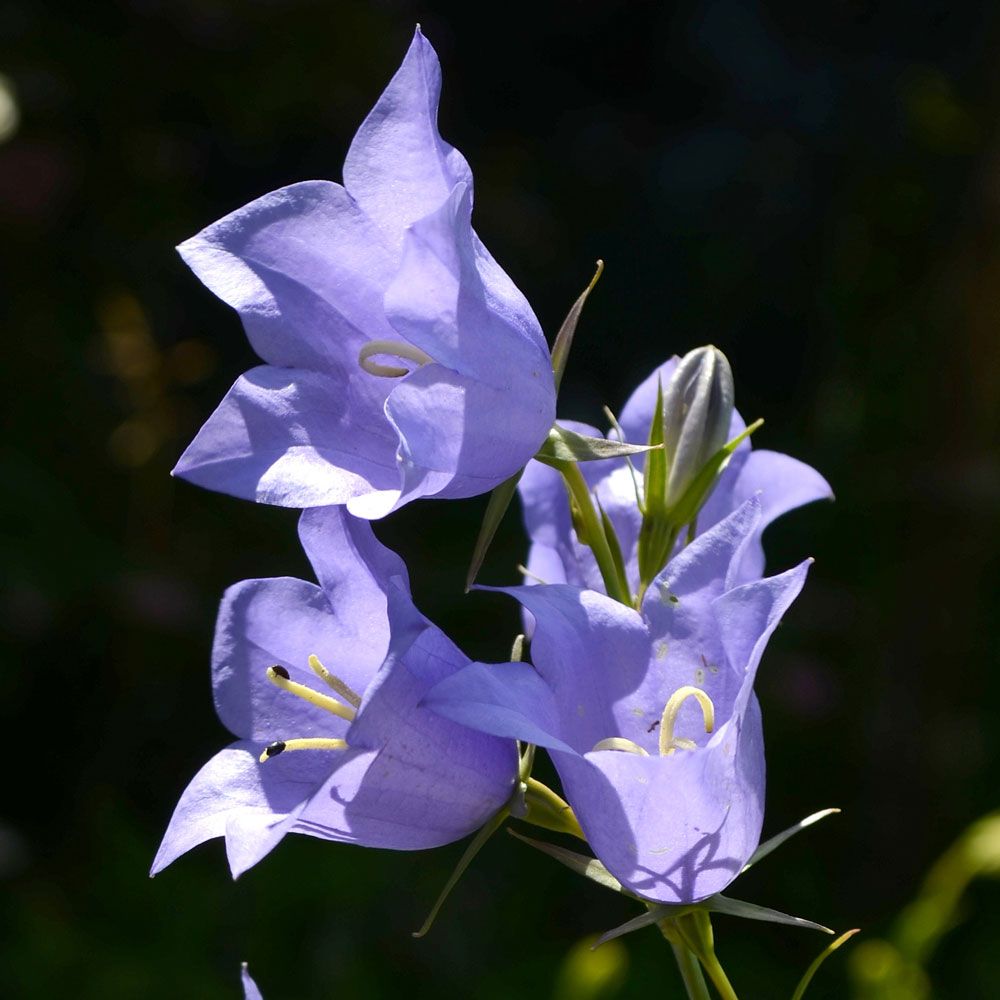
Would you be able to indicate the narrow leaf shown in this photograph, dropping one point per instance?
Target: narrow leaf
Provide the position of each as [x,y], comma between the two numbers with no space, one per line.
[819,960]
[464,861]
[564,338]
[587,867]
[778,839]
[499,501]
[563,445]
[750,911]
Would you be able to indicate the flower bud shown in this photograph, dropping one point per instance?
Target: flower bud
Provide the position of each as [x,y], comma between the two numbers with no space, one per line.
[697,411]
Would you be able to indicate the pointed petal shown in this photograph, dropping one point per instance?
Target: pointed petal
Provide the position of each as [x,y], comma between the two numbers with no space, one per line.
[783,483]
[234,784]
[398,167]
[505,699]
[591,651]
[442,301]
[294,438]
[460,437]
[351,564]
[283,621]
[250,990]
[306,269]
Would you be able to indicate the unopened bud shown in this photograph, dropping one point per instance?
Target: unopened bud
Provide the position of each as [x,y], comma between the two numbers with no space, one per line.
[697,411]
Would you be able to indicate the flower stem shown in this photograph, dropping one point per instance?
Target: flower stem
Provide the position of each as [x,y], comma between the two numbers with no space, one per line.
[696,929]
[580,492]
[687,963]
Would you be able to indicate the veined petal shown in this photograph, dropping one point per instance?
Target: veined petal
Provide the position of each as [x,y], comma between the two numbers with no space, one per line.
[294,438]
[504,699]
[398,167]
[233,787]
[306,269]
[439,300]
[460,437]
[673,829]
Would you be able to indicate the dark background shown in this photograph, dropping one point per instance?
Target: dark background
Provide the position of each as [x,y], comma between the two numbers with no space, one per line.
[813,187]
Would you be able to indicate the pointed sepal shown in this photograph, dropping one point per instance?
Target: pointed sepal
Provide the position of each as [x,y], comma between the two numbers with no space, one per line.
[779,838]
[589,868]
[496,507]
[564,445]
[564,338]
[819,960]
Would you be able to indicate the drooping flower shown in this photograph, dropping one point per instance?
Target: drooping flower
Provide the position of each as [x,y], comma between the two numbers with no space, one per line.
[321,685]
[623,699]
[556,555]
[400,360]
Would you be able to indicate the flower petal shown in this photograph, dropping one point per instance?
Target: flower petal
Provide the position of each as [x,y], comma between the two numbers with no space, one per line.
[460,437]
[463,314]
[398,167]
[235,796]
[283,621]
[306,269]
[294,438]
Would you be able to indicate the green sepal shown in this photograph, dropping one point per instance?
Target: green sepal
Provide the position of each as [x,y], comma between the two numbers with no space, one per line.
[544,808]
[564,445]
[751,911]
[819,960]
[497,506]
[564,338]
[589,868]
[613,544]
[779,838]
[686,509]
[477,844]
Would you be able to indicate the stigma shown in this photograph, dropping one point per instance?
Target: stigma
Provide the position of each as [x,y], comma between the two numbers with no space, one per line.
[668,743]
[345,709]
[395,349]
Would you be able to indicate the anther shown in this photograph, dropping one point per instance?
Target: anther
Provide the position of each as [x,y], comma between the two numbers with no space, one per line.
[670,711]
[309,743]
[620,743]
[345,692]
[391,348]
[279,677]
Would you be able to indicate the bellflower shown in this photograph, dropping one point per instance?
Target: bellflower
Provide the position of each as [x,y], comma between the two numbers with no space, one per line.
[321,685]
[400,360]
[556,556]
[623,699]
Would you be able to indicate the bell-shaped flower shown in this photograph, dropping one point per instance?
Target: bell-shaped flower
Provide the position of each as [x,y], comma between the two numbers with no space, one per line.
[400,360]
[556,555]
[322,685]
[650,718]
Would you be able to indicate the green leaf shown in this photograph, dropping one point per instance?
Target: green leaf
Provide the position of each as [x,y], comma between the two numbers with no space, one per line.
[778,839]
[563,445]
[564,338]
[589,868]
[464,861]
[819,960]
[750,911]
[499,501]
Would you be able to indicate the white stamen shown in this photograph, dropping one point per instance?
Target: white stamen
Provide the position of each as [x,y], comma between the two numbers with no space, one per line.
[334,681]
[278,676]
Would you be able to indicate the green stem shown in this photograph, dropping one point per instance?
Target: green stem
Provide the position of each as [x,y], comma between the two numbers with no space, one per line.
[687,963]
[696,929]
[577,485]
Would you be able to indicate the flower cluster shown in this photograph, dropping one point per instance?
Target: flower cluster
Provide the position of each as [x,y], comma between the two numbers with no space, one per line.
[401,362]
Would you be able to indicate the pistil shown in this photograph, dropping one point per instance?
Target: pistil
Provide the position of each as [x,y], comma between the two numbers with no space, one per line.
[668,743]
[391,348]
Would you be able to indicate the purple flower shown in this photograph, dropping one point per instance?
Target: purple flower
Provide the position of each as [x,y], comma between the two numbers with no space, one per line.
[401,361]
[250,989]
[623,701]
[321,685]
[556,556]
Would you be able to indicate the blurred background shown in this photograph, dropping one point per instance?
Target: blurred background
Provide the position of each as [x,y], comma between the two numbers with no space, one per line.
[813,187]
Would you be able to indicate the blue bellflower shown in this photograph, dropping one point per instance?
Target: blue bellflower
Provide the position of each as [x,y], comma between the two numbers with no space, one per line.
[649,716]
[556,556]
[322,685]
[400,360]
